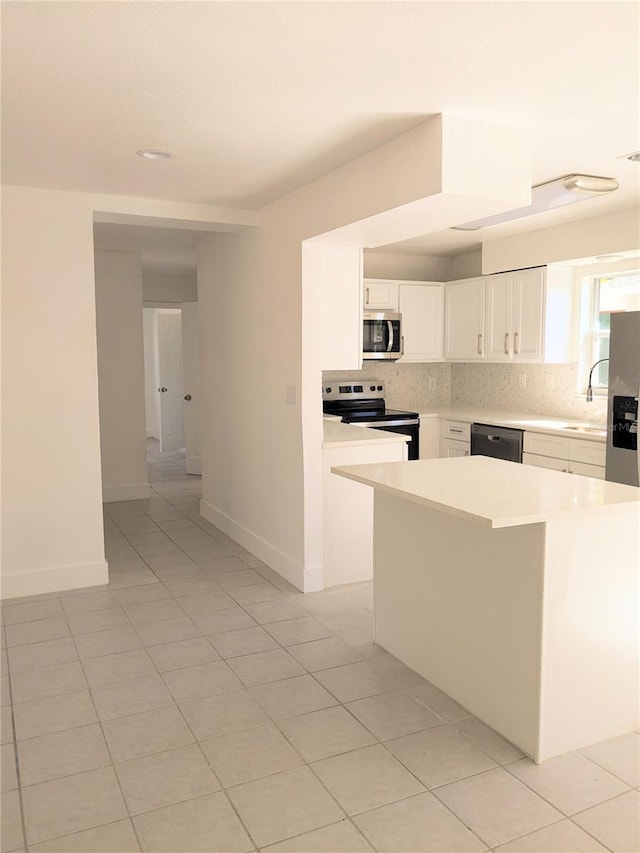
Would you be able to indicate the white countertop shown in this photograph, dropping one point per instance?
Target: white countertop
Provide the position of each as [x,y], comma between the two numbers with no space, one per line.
[522,420]
[492,492]
[337,434]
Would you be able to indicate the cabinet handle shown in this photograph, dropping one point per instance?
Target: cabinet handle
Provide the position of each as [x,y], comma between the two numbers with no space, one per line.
[480,343]
[506,343]
[516,347]
[451,429]
[366,299]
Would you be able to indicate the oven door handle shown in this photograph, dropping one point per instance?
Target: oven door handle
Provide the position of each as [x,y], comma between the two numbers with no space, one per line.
[384,424]
[390,327]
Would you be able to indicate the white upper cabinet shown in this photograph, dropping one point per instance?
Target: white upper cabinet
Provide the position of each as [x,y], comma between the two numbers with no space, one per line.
[528,324]
[421,305]
[499,321]
[514,316]
[524,316]
[380,295]
[464,320]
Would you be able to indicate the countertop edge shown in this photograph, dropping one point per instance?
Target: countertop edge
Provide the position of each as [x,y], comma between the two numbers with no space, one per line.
[514,420]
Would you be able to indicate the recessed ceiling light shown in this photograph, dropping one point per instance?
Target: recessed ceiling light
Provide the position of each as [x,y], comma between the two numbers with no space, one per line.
[607,258]
[154,154]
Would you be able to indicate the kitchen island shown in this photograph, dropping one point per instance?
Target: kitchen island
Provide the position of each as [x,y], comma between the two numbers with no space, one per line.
[513,589]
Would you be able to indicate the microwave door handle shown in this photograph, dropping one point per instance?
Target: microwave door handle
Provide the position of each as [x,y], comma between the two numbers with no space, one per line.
[390,327]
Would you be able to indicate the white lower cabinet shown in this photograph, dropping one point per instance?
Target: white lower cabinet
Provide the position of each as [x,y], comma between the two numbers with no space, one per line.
[572,455]
[455,439]
[545,462]
[449,448]
[596,471]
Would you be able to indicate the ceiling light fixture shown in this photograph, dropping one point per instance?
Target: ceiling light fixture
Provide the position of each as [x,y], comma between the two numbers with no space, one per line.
[635,157]
[548,196]
[154,154]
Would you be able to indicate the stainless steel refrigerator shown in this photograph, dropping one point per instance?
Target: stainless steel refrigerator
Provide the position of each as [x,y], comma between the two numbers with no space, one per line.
[623,459]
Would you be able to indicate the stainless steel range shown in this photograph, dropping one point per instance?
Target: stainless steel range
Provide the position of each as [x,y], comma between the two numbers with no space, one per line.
[363,403]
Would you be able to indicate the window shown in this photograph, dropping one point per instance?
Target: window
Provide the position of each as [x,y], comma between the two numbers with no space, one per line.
[602,296]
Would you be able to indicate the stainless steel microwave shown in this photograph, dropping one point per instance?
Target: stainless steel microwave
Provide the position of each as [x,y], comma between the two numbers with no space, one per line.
[382,335]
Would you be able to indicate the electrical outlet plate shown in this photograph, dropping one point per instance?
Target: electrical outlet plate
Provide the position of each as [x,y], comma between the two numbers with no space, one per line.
[432,383]
[522,379]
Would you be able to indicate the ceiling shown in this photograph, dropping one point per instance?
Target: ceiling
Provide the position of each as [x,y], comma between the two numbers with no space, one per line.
[257,98]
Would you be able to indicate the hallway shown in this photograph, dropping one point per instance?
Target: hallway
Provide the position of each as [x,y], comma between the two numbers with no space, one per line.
[201,703]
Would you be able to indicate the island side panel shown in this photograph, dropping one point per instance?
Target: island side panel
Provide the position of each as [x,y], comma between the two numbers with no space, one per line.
[591,633]
[460,604]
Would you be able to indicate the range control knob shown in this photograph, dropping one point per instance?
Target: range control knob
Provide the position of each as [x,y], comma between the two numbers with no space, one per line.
[379,387]
[328,390]
[372,387]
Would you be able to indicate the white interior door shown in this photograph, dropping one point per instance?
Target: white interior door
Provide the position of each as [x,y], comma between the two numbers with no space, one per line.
[170,381]
[191,364]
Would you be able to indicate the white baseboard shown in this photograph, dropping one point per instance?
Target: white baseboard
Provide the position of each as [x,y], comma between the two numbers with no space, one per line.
[307,580]
[52,579]
[130,492]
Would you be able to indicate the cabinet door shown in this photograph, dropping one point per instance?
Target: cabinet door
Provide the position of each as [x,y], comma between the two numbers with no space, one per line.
[545,462]
[450,449]
[464,320]
[588,452]
[499,343]
[584,470]
[528,305]
[381,295]
[421,306]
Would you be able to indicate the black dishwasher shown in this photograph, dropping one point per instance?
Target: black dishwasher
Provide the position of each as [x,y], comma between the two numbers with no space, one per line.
[498,442]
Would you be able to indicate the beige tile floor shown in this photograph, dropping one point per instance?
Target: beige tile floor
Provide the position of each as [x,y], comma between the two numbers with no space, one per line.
[200,703]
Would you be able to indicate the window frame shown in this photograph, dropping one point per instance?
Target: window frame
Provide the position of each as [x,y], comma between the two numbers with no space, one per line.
[590,335]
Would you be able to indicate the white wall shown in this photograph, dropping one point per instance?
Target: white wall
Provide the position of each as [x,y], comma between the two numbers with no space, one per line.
[169,287]
[468,265]
[406,267]
[51,482]
[150,336]
[583,238]
[269,471]
[261,321]
[121,376]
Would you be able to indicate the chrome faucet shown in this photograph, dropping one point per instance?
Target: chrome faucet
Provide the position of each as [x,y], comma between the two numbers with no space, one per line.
[589,388]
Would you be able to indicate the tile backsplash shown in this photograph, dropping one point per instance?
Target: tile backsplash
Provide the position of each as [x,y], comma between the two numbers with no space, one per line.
[407,386]
[550,388]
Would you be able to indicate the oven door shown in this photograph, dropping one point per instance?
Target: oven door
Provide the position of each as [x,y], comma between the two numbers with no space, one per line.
[381,336]
[410,429]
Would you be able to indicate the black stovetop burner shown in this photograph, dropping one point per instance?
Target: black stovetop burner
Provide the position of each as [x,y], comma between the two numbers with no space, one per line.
[361,402]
